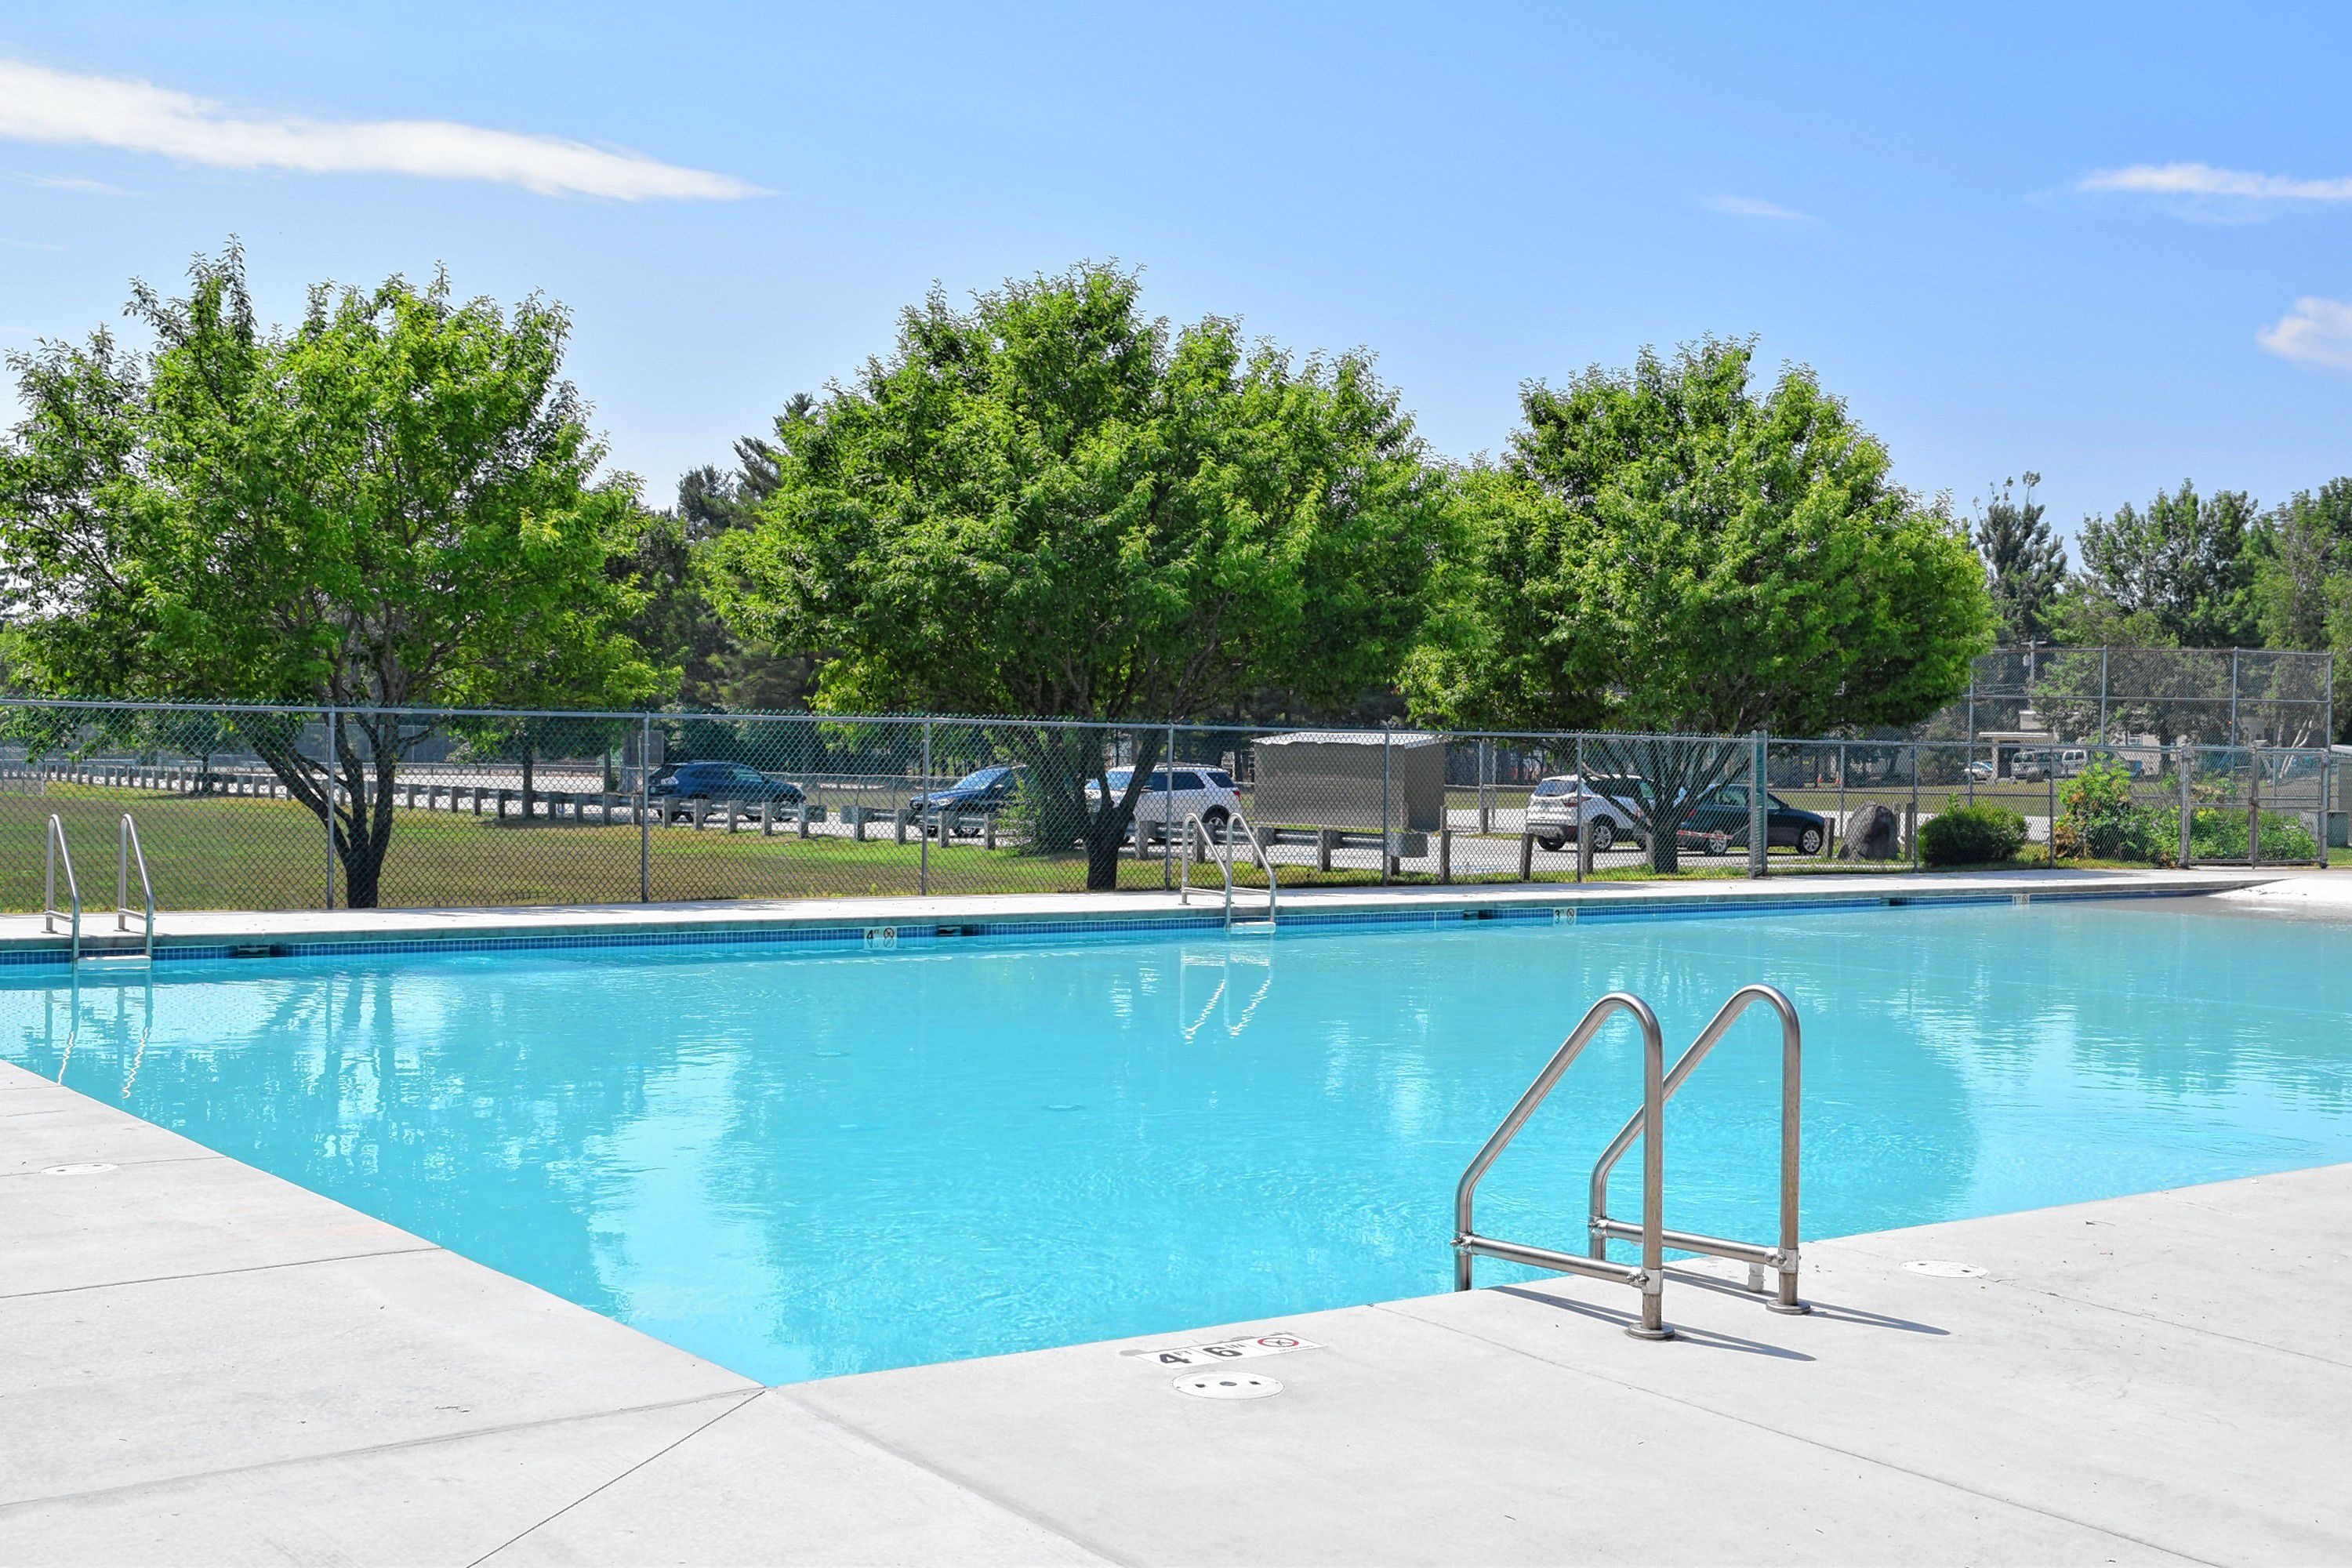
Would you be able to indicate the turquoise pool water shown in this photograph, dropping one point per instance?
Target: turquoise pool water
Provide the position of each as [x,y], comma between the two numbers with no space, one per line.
[807,1163]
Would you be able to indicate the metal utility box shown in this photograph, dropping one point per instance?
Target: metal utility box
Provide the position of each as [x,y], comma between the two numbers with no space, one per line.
[1355,781]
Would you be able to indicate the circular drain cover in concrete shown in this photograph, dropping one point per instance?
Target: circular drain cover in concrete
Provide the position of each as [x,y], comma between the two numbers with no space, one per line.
[1943,1270]
[90,1170]
[1223,1384]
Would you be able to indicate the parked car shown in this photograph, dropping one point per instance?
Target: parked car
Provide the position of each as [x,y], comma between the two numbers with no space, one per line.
[1560,807]
[680,783]
[2049,762]
[1209,793]
[1980,772]
[1721,822]
[981,794]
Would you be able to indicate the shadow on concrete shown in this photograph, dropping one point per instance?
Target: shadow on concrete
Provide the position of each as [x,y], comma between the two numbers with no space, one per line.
[1684,1332]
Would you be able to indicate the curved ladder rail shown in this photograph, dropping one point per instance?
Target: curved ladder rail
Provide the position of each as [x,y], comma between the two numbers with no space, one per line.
[1781,1258]
[51,913]
[1650,1278]
[127,854]
[1197,837]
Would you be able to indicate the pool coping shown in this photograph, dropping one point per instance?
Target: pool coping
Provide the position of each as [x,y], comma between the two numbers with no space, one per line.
[207,1362]
[199,935]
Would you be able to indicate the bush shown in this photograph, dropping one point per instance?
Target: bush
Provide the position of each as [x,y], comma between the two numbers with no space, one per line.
[1971,835]
[2098,820]
[2218,833]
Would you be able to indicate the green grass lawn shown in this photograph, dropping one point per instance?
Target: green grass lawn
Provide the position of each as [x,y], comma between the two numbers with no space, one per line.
[229,853]
[240,853]
[221,853]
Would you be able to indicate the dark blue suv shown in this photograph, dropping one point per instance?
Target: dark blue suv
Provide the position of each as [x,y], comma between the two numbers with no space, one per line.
[720,780]
[981,792]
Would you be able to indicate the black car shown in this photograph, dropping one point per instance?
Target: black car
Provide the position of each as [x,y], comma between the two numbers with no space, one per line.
[682,781]
[1721,822]
[979,794]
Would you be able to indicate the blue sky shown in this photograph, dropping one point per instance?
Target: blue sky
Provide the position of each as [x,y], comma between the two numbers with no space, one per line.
[2109,243]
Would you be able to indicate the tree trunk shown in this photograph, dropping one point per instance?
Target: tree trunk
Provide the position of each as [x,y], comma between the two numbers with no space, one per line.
[1102,856]
[363,825]
[529,765]
[1665,853]
[362,861]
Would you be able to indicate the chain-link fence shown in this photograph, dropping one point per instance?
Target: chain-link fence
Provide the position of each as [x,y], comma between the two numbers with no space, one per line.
[251,807]
[2273,698]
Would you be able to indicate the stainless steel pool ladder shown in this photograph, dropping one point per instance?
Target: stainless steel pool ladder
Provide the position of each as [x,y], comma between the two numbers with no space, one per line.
[50,913]
[1197,837]
[1647,1124]
[127,854]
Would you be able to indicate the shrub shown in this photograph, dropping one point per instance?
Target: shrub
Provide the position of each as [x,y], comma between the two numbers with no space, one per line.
[2216,833]
[2098,820]
[1971,835]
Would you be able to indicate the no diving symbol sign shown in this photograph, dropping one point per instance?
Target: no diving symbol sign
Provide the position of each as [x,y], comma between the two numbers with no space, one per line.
[1226,1350]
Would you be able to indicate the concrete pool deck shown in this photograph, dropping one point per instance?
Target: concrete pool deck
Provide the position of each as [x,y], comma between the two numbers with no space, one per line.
[200,932]
[200,1363]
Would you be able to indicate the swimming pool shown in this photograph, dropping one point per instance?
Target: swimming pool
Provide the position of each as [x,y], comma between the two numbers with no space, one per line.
[800,1163]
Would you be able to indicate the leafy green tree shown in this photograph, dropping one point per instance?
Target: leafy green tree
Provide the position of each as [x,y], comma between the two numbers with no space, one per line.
[2301,546]
[394,503]
[2024,563]
[1050,504]
[1664,549]
[2178,575]
[2302,581]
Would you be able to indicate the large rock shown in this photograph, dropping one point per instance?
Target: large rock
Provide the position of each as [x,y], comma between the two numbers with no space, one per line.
[1872,833]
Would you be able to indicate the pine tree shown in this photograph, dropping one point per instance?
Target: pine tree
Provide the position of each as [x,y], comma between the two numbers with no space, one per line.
[2024,563]
[718,668]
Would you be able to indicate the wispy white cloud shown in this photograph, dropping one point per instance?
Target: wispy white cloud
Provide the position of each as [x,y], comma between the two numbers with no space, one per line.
[1752,206]
[76,182]
[28,244]
[2317,331]
[63,108]
[2202,191]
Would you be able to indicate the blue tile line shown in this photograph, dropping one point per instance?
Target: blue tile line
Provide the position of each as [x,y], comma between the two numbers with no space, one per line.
[930,932]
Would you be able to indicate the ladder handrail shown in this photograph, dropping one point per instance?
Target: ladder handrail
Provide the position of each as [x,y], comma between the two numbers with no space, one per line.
[1257,849]
[126,852]
[1198,838]
[1650,1276]
[51,913]
[1781,1258]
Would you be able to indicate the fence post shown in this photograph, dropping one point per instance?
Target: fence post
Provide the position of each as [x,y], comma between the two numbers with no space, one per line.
[1584,793]
[1167,847]
[1837,831]
[2234,697]
[327,770]
[2102,696]
[2050,775]
[1386,822]
[2254,807]
[645,827]
[2188,766]
[1914,824]
[1486,787]
[1759,847]
[2326,799]
[923,866]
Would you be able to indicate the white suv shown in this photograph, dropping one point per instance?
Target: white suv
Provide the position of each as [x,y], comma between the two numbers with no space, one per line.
[1209,793]
[1560,807]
